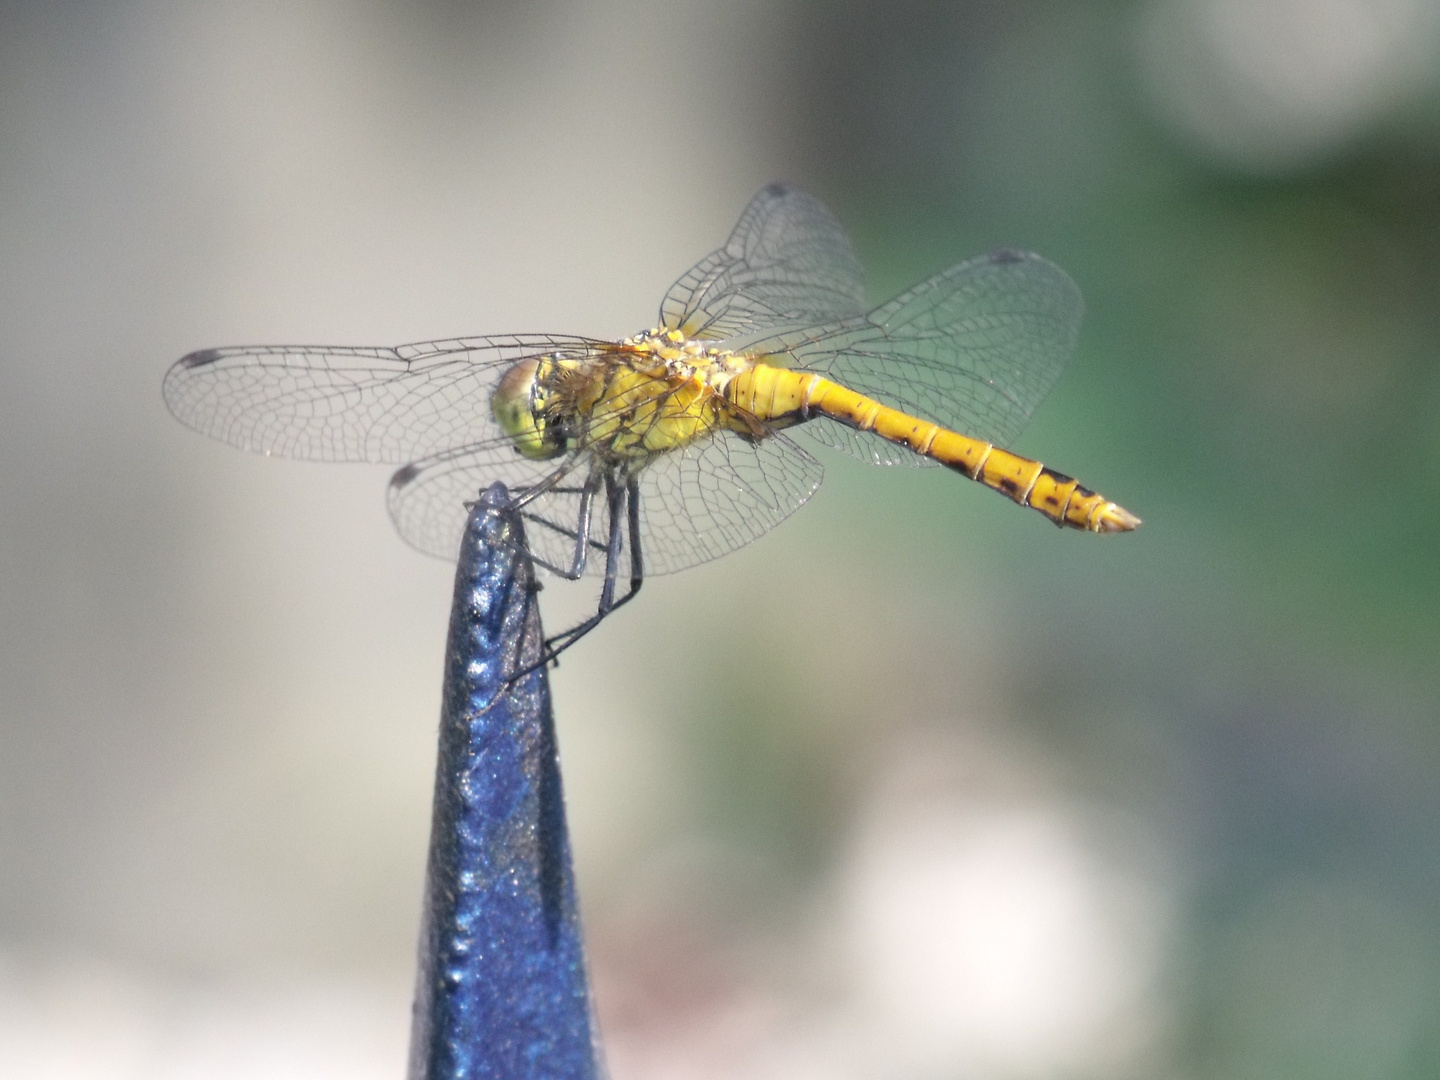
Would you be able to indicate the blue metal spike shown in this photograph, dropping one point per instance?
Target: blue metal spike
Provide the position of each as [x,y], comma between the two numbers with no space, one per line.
[501,992]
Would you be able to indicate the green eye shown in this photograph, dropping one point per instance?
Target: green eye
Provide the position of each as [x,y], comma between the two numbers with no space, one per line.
[515,404]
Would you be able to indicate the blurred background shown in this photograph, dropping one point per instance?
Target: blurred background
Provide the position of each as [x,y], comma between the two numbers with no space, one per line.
[1010,804]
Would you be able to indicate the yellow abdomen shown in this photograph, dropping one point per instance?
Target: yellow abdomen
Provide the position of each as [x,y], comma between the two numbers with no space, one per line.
[779,396]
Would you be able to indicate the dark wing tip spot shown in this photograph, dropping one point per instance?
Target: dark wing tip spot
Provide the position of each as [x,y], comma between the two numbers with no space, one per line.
[200,358]
[404,475]
[777,188]
[1007,255]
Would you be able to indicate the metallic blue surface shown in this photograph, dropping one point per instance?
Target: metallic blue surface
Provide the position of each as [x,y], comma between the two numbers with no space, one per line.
[501,991]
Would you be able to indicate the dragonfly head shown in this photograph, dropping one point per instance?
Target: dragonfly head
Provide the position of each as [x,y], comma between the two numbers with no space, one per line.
[519,407]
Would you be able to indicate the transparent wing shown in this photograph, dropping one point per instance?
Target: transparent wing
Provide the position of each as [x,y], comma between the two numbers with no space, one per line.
[787,261]
[719,494]
[975,348]
[696,504]
[834,435]
[353,404]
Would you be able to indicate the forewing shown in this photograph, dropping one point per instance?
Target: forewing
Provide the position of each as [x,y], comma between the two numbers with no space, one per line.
[352,404]
[718,494]
[787,261]
[975,348]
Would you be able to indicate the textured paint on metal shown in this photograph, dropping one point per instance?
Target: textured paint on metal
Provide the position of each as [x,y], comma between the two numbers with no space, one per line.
[501,992]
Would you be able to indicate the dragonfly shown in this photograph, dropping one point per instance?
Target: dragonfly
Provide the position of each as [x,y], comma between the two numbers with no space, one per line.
[680,444]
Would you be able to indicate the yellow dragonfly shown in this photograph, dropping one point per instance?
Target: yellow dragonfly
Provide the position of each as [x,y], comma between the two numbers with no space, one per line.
[673,447]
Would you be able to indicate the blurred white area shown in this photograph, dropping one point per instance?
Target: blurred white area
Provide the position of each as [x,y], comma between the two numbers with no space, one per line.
[973,926]
[1271,86]
[994,939]
[67,1018]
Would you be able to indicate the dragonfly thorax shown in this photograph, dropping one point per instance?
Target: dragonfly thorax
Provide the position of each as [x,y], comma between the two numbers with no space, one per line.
[687,357]
[647,395]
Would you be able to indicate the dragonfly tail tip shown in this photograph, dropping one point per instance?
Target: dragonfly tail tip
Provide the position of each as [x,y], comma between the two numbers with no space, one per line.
[1115,518]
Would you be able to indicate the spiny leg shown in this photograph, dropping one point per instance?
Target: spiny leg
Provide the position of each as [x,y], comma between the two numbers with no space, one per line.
[581,532]
[534,491]
[616,496]
[573,535]
[637,560]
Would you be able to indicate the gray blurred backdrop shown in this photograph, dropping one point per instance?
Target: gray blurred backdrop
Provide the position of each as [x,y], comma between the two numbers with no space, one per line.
[916,786]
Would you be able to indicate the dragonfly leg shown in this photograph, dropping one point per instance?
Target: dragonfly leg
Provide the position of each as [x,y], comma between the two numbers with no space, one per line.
[581,533]
[585,545]
[534,491]
[618,498]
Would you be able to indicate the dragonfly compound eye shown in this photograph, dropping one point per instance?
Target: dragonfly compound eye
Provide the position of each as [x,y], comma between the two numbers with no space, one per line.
[518,407]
